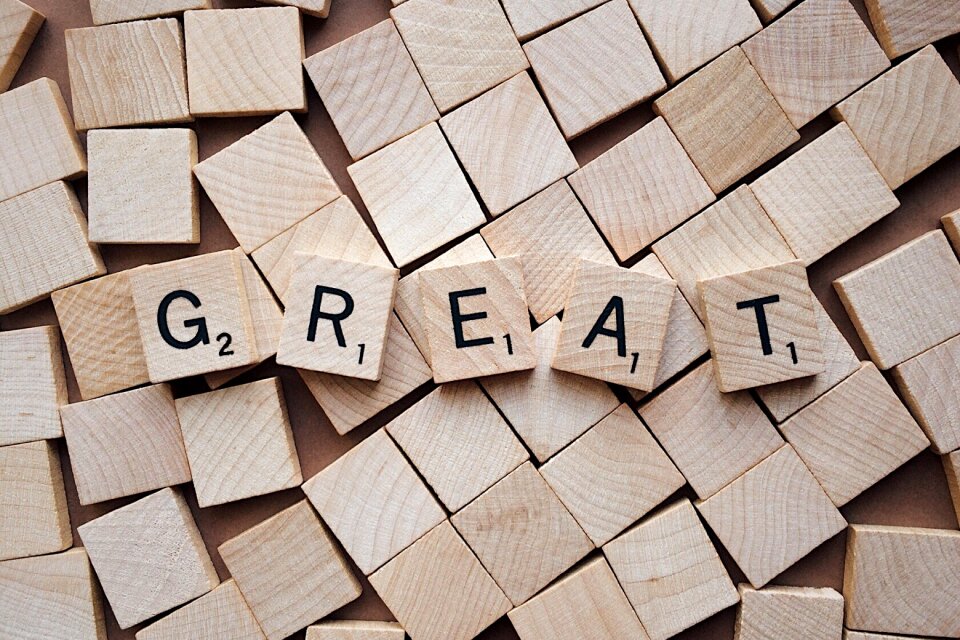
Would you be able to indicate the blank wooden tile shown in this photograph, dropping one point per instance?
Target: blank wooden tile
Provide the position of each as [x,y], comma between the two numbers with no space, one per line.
[789,613]
[897,580]
[772,516]
[359,506]
[371,89]
[290,571]
[20,25]
[221,613]
[356,630]
[825,194]
[739,437]
[32,385]
[533,18]
[116,81]
[33,506]
[726,143]
[438,590]
[587,602]
[670,571]
[951,226]
[458,441]
[770,9]
[509,144]
[107,11]
[951,468]
[245,61]
[461,47]
[861,635]
[903,26]
[904,302]
[594,67]
[928,384]
[317,8]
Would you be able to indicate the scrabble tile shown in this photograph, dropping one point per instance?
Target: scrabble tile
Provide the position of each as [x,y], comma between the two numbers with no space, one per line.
[438,590]
[245,62]
[902,119]
[614,325]
[20,25]
[356,630]
[549,408]
[33,506]
[316,8]
[903,26]
[770,9]
[641,188]
[476,320]
[458,441]
[896,580]
[416,194]
[772,516]
[32,385]
[40,143]
[670,571]
[239,442]
[790,613]
[51,597]
[928,384]
[815,56]
[358,506]
[860,635]
[739,437]
[278,561]
[221,613]
[267,181]
[533,18]
[140,186]
[951,226]
[726,143]
[371,89]
[461,47]
[347,335]
[116,81]
[193,316]
[917,286]
[951,468]
[612,475]
[594,67]
[509,144]
[107,11]
[825,194]
[548,233]
[687,34]
[587,602]
[125,444]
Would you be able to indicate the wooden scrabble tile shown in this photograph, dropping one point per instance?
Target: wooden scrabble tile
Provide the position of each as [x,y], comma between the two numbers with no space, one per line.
[267,181]
[458,441]
[359,506]
[416,194]
[612,475]
[522,533]
[107,11]
[670,571]
[529,19]
[33,506]
[930,386]
[951,468]
[356,630]
[371,89]
[951,226]
[903,26]
[277,562]
[726,143]
[193,316]
[594,67]
[902,119]
[40,143]
[614,325]
[32,385]
[221,613]
[904,302]
[20,25]
[347,334]
[438,590]
[116,81]
[587,602]
[825,194]
[641,188]
[476,320]
[815,56]
[245,62]
[772,516]
[860,635]
[548,233]
[51,597]
[789,613]
[896,579]
[739,437]
[461,47]
[316,8]
[549,408]
[770,9]
[239,442]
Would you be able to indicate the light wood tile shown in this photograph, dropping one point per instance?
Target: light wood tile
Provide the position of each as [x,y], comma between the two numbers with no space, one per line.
[356,630]
[533,18]
[930,386]
[789,613]
[316,8]
[32,385]
[20,25]
[905,25]
[770,9]
[951,226]
[107,11]
[221,613]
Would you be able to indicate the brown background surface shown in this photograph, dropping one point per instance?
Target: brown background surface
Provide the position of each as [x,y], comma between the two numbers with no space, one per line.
[915,495]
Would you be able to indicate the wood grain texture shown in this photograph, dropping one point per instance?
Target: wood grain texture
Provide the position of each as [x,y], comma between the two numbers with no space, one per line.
[951,226]
[641,188]
[33,386]
[20,25]
[930,386]
[905,25]
[670,571]
[107,11]
[770,9]
[529,19]
[789,613]
[861,635]
[221,613]
[508,143]
[278,561]
[356,630]
[316,8]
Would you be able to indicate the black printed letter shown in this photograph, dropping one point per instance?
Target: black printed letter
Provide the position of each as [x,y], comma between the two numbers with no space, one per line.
[758,305]
[334,318]
[200,323]
[620,333]
[459,318]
